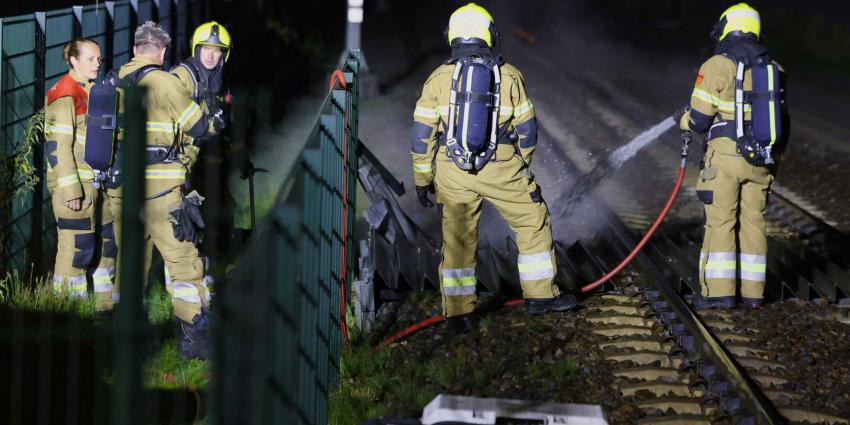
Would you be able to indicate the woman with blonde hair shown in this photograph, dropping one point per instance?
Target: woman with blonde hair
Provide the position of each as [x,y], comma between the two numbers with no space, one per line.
[80,223]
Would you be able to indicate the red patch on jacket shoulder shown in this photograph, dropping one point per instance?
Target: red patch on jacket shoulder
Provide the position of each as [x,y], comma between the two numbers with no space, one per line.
[700,77]
[66,86]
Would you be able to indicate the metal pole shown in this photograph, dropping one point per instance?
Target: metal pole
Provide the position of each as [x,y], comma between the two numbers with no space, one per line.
[5,204]
[37,214]
[352,33]
[109,59]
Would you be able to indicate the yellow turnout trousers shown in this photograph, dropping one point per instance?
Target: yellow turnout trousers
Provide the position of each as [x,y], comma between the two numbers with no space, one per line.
[85,241]
[734,194]
[510,187]
[184,266]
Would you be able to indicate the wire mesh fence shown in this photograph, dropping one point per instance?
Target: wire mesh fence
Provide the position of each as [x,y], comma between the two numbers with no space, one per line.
[278,312]
[281,318]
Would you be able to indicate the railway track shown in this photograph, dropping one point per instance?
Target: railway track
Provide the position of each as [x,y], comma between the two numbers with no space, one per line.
[673,364]
[678,366]
[654,371]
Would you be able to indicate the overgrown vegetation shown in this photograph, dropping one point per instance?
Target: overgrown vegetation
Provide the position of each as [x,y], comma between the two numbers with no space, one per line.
[24,175]
[18,175]
[369,388]
[36,294]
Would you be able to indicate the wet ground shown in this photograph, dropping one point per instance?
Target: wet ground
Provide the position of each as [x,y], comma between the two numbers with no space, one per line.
[594,91]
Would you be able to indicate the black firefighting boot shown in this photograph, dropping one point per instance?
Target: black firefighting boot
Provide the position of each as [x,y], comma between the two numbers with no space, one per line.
[461,324]
[752,303]
[194,343]
[562,302]
[107,317]
[711,303]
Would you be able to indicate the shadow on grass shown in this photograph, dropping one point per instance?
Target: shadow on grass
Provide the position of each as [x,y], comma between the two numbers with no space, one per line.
[58,363]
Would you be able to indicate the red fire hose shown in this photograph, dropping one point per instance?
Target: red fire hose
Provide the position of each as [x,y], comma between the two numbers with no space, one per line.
[686,140]
[339,78]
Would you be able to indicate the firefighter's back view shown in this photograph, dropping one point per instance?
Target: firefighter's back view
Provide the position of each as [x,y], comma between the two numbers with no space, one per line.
[473,136]
[172,121]
[739,101]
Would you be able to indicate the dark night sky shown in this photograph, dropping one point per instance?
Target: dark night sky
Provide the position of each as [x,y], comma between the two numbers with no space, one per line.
[815,33]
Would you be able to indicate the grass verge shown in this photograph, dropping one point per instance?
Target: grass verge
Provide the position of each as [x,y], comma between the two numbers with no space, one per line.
[369,388]
[164,369]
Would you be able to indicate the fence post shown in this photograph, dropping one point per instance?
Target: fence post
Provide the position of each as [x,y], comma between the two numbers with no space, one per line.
[154,11]
[133,23]
[109,48]
[6,187]
[37,214]
[78,14]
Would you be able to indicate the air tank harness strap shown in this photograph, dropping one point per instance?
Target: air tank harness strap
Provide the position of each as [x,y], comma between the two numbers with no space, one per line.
[727,129]
[107,122]
[505,137]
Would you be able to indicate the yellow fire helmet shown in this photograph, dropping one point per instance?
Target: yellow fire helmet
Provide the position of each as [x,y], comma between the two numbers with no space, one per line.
[472,24]
[741,18]
[212,34]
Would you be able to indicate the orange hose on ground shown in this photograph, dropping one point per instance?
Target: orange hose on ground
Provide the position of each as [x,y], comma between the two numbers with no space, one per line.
[428,322]
[411,329]
[339,78]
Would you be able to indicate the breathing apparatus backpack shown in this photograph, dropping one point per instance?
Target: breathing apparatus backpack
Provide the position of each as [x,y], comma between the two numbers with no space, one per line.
[473,121]
[766,101]
[103,122]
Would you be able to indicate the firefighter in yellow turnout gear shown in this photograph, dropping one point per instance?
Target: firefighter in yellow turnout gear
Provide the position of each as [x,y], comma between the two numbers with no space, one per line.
[499,173]
[202,76]
[734,190]
[69,180]
[173,121]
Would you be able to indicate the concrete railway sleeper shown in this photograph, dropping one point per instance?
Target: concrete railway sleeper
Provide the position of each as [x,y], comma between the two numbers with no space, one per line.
[656,371]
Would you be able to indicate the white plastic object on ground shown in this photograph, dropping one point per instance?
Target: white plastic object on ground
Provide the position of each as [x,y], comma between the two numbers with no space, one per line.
[485,411]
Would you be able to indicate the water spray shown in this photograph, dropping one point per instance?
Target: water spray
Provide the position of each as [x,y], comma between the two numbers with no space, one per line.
[686,141]
[591,180]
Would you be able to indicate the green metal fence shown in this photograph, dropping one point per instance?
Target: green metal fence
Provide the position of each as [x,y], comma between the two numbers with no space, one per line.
[31,63]
[279,334]
[59,365]
[277,319]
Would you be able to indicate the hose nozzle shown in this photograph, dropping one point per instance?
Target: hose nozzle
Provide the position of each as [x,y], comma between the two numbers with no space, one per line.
[686,142]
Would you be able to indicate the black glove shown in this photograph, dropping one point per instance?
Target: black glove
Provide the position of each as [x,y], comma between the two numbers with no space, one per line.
[186,220]
[422,194]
